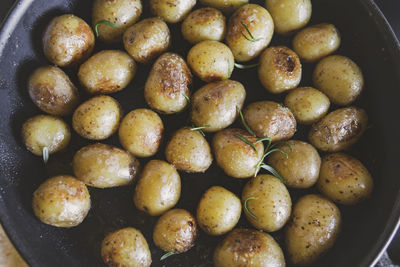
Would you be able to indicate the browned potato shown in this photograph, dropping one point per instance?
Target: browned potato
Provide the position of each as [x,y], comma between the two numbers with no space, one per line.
[172,11]
[227,6]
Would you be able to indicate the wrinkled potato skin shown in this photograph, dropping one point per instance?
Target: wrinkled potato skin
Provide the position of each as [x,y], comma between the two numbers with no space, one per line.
[61,201]
[104,166]
[227,6]
[126,247]
[344,179]
[312,229]
[172,11]
[339,129]
[68,41]
[255,249]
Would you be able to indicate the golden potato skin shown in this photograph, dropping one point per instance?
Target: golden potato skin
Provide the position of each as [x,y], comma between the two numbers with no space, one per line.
[218,211]
[312,229]
[61,201]
[172,11]
[248,247]
[227,6]
[168,82]
[236,158]
[260,24]
[126,247]
[339,78]
[339,129]
[98,118]
[158,188]
[307,104]
[68,41]
[104,166]
[344,179]
[279,70]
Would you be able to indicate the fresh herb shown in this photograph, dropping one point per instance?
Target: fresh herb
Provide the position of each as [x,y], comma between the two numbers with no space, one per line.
[187,98]
[166,255]
[230,70]
[45,153]
[273,171]
[247,141]
[244,67]
[247,209]
[244,122]
[106,22]
[251,39]
[200,129]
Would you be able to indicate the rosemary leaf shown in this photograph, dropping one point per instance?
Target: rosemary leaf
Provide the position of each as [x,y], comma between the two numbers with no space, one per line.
[200,129]
[166,255]
[247,210]
[45,154]
[262,139]
[273,171]
[277,150]
[187,98]
[283,143]
[244,122]
[251,39]
[247,141]
[106,22]
[244,67]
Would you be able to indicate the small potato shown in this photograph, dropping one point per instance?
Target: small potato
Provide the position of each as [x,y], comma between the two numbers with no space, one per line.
[169,81]
[61,201]
[249,31]
[308,104]
[45,131]
[270,119]
[189,151]
[312,229]
[104,166]
[97,118]
[215,104]
[158,188]
[279,70]
[227,6]
[126,247]
[339,78]
[211,61]
[344,179]
[218,211]
[316,42]
[68,41]
[250,248]
[172,11]
[339,129]
[234,156]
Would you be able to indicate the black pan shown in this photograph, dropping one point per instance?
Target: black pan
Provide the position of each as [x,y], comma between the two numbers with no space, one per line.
[367,228]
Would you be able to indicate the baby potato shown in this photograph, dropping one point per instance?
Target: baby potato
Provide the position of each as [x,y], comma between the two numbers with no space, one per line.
[126,247]
[235,157]
[344,179]
[169,81]
[218,211]
[339,78]
[61,201]
[104,166]
[227,6]
[68,41]
[211,61]
[279,70]
[250,248]
[214,105]
[158,188]
[307,104]
[270,119]
[316,42]
[189,151]
[172,11]
[339,129]
[45,131]
[97,118]
[141,132]
[312,229]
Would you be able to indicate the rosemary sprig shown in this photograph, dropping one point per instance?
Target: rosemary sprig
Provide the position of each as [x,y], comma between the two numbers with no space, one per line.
[247,141]
[45,153]
[166,255]
[244,67]
[200,129]
[251,39]
[244,122]
[247,209]
[273,171]
[187,98]
[106,22]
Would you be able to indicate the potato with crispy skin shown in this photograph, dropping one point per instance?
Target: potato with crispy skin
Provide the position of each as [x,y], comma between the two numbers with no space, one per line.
[227,6]
[172,11]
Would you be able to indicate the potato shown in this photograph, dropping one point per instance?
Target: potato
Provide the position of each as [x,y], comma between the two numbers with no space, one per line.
[339,78]
[141,132]
[172,11]
[122,13]
[218,211]
[147,39]
[61,201]
[211,61]
[169,81]
[249,31]
[158,188]
[248,247]
[289,15]
[68,41]
[45,131]
[307,104]
[339,129]
[235,157]
[316,42]
[104,166]
[279,70]
[126,247]
[344,179]
[175,231]
[97,118]
[227,6]
[312,229]
[215,104]
[270,119]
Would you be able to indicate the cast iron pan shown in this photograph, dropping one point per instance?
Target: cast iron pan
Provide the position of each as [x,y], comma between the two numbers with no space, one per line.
[367,228]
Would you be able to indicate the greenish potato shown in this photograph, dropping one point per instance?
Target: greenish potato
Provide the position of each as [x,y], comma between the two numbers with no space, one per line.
[172,11]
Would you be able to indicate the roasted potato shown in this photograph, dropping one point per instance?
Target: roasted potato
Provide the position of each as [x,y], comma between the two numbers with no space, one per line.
[227,6]
[172,11]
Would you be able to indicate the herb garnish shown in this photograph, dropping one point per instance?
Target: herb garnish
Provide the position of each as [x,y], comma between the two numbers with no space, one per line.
[244,122]
[251,39]
[45,154]
[247,209]
[106,22]
[247,141]
[200,129]
[166,255]
[244,67]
